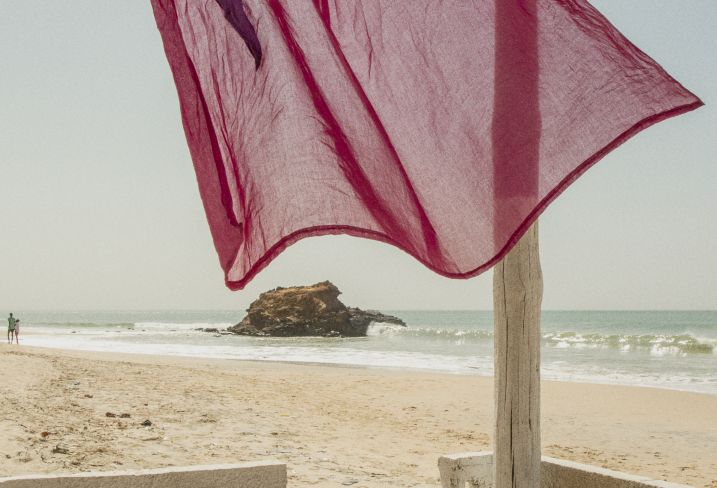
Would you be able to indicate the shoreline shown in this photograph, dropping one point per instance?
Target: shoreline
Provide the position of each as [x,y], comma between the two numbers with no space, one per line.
[331,424]
[399,369]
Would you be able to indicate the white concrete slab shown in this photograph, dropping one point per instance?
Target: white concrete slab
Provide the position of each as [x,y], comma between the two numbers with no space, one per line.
[475,470]
[263,474]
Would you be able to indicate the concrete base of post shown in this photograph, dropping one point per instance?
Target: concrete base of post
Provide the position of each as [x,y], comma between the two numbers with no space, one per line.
[475,470]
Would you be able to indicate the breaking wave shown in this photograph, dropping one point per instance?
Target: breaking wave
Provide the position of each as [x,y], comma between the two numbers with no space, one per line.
[656,343]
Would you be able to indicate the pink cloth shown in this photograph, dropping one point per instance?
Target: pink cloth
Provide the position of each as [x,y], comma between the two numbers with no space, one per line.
[442,127]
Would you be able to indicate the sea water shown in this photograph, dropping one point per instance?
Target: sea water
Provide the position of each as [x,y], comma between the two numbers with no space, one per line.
[666,349]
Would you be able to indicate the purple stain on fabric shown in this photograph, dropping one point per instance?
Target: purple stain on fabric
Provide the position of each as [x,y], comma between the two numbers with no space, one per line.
[236,16]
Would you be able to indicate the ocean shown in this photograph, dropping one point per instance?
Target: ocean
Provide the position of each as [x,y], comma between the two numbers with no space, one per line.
[665,349]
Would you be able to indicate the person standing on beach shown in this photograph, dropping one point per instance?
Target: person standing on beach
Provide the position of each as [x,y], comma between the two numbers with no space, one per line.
[17,332]
[11,325]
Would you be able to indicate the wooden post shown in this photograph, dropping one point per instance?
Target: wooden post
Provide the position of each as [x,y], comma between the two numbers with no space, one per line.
[517,296]
[517,282]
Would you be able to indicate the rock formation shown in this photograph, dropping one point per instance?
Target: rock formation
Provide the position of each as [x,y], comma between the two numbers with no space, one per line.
[307,311]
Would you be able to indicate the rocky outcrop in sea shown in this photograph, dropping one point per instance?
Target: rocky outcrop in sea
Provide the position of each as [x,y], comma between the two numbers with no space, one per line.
[307,311]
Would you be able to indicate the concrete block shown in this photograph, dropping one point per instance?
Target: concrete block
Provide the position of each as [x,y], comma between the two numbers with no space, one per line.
[475,470]
[264,474]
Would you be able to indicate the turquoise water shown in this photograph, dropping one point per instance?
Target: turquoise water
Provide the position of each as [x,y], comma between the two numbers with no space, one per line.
[676,350]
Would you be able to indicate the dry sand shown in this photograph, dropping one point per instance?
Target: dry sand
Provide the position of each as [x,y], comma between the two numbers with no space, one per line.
[331,425]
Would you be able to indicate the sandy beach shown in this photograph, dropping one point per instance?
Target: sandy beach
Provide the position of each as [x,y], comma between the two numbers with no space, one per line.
[333,426]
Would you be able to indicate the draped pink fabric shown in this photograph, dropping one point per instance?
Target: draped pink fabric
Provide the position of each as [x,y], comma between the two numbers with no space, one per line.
[443,127]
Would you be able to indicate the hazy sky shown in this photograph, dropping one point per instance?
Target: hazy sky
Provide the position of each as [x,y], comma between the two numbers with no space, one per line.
[99,207]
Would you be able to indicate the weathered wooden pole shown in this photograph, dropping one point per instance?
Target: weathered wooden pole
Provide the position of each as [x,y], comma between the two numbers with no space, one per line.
[517,295]
[517,282]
